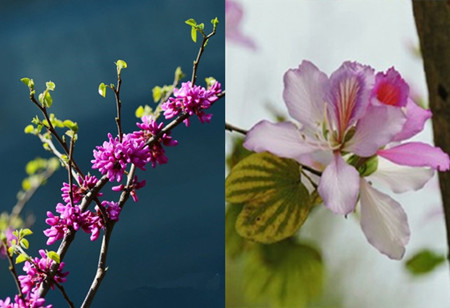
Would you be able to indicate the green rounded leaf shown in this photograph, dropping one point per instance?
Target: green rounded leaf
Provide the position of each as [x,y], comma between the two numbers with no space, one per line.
[191,22]
[29,129]
[194,34]
[285,274]
[276,203]
[120,65]
[424,262]
[102,89]
[24,243]
[54,256]
[50,85]
[157,92]
[21,258]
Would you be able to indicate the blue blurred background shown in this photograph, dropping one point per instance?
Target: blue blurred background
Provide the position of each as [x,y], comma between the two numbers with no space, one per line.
[168,249]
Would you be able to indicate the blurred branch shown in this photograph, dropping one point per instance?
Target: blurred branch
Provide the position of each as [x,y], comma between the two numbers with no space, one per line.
[433,26]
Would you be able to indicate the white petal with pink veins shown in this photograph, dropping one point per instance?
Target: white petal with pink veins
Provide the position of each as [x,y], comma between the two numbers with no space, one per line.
[339,186]
[281,139]
[400,178]
[383,221]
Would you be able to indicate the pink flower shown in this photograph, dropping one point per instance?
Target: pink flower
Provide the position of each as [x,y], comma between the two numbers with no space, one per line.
[36,273]
[191,100]
[132,188]
[78,193]
[347,119]
[233,20]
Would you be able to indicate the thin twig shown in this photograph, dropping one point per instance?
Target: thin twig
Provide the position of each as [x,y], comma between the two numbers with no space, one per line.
[64,293]
[12,269]
[199,55]
[23,200]
[233,128]
[118,107]
[70,175]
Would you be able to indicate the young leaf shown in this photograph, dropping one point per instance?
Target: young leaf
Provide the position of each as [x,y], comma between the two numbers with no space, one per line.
[29,129]
[179,73]
[21,258]
[24,243]
[191,22]
[276,203]
[71,125]
[194,34]
[157,92]
[102,89]
[54,256]
[26,232]
[120,65]
[215,22]
[50,85]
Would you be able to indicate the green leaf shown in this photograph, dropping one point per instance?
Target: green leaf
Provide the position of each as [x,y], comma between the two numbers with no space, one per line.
[102,89]
[26,232]
[276,203]
[29,129]
[179,73]
[194,34]
[54,256]
[285,274]
[157,92]
[24,243]
[50,85]
[215,22]
[424,262]
[120,65]
[46,99]
[25,80]
[71,125]
[191,22]
[201,26]
[234,243]
[21,258]
[28,82]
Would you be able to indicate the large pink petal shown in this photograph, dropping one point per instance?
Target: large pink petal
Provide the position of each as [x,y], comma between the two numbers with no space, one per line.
[339,186]
[370,135]
[281,139]
[400,178]
[415,121]
[417,154]
[383,221]
[304,93]
[349,94]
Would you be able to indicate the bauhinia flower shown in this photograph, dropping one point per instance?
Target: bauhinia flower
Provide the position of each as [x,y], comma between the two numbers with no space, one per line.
[347,121]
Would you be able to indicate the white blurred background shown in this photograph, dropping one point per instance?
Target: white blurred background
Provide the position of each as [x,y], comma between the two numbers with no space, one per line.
[378,33]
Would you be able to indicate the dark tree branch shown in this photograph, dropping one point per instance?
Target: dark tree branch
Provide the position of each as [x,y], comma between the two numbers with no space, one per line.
[433,26]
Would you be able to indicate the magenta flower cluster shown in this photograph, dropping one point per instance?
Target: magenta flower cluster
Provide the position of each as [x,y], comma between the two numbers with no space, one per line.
[36,272]
[70,216]
[191,99]
[32,301]
[113,157]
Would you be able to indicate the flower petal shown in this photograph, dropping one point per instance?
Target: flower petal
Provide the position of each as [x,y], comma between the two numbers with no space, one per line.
[282,139]
[370,135]
[390,89]
[349,94]
[417,154]
[400,178]
[383,221]
[304,90]
[339,186]
[415,121]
